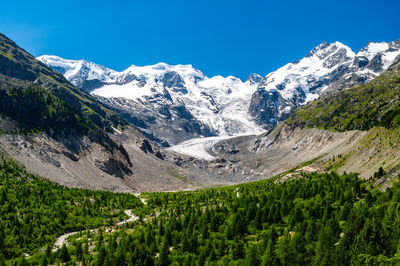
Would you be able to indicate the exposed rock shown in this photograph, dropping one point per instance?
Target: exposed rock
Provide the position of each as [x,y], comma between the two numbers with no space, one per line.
[254,79]
[171,79]
[145,146]
[115,167]
[159,119]
[89,85]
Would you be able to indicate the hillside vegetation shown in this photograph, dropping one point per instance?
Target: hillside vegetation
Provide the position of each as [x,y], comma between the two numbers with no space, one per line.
[319,219]
[37,110]
[374,104]
[34,211]
[28,87]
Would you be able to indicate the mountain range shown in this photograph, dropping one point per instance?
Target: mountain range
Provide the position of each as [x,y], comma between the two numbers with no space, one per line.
[170,103]
[173,103]
[88,126]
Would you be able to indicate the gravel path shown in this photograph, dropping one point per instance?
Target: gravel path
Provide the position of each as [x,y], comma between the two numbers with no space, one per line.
[61,240]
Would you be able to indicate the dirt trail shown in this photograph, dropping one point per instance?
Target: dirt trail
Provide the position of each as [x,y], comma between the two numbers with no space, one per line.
[61,240]
[143,200]
[132,217]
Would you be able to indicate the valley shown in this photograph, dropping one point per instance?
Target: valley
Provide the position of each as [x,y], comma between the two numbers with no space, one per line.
[160,164]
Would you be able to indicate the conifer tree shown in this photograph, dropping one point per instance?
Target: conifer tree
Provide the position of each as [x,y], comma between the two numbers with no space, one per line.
[252,256]
[64,254]
[164,252]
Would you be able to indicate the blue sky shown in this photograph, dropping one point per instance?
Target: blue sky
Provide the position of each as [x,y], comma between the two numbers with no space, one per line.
[218,37]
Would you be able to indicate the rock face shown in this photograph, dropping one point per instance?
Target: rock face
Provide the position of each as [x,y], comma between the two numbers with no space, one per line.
[327,68]
[162,121]
[168,103]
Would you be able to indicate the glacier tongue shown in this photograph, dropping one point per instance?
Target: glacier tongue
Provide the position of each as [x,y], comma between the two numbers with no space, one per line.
[198,147]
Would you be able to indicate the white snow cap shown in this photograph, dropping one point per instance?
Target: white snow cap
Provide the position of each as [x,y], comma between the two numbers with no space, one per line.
[221,103]
[323,60]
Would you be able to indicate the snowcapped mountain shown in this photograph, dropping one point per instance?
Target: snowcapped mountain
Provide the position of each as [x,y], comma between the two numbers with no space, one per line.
[170,103]
[78,71]
[326,68]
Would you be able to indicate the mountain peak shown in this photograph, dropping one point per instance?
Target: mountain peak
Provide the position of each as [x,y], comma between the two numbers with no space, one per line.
[326,49]
[77,71]
[254,79]
[161,66]
[379,56]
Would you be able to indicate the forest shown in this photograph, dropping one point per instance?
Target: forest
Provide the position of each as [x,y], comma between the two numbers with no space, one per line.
[316,219]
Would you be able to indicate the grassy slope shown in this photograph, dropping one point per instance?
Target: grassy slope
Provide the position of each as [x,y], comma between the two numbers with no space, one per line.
[374,104]
[373,107]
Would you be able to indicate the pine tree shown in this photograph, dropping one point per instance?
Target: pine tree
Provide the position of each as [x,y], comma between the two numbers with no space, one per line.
[43,260]
[48,251]
[2,260]
[64,254]
[252,256]
[201,260]
[188,260]
[282,250]
[101,256]
[79,251]
[269,257]
[204,230]
[185,243]
[238,249]
[258,219]
[21,261]
[221,247]
[163,256]
[325,246]
[212,256]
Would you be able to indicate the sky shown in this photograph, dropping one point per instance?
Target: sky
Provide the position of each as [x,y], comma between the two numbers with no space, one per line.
[219,37]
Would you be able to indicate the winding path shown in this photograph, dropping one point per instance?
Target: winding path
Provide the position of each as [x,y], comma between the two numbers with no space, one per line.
[61,240]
